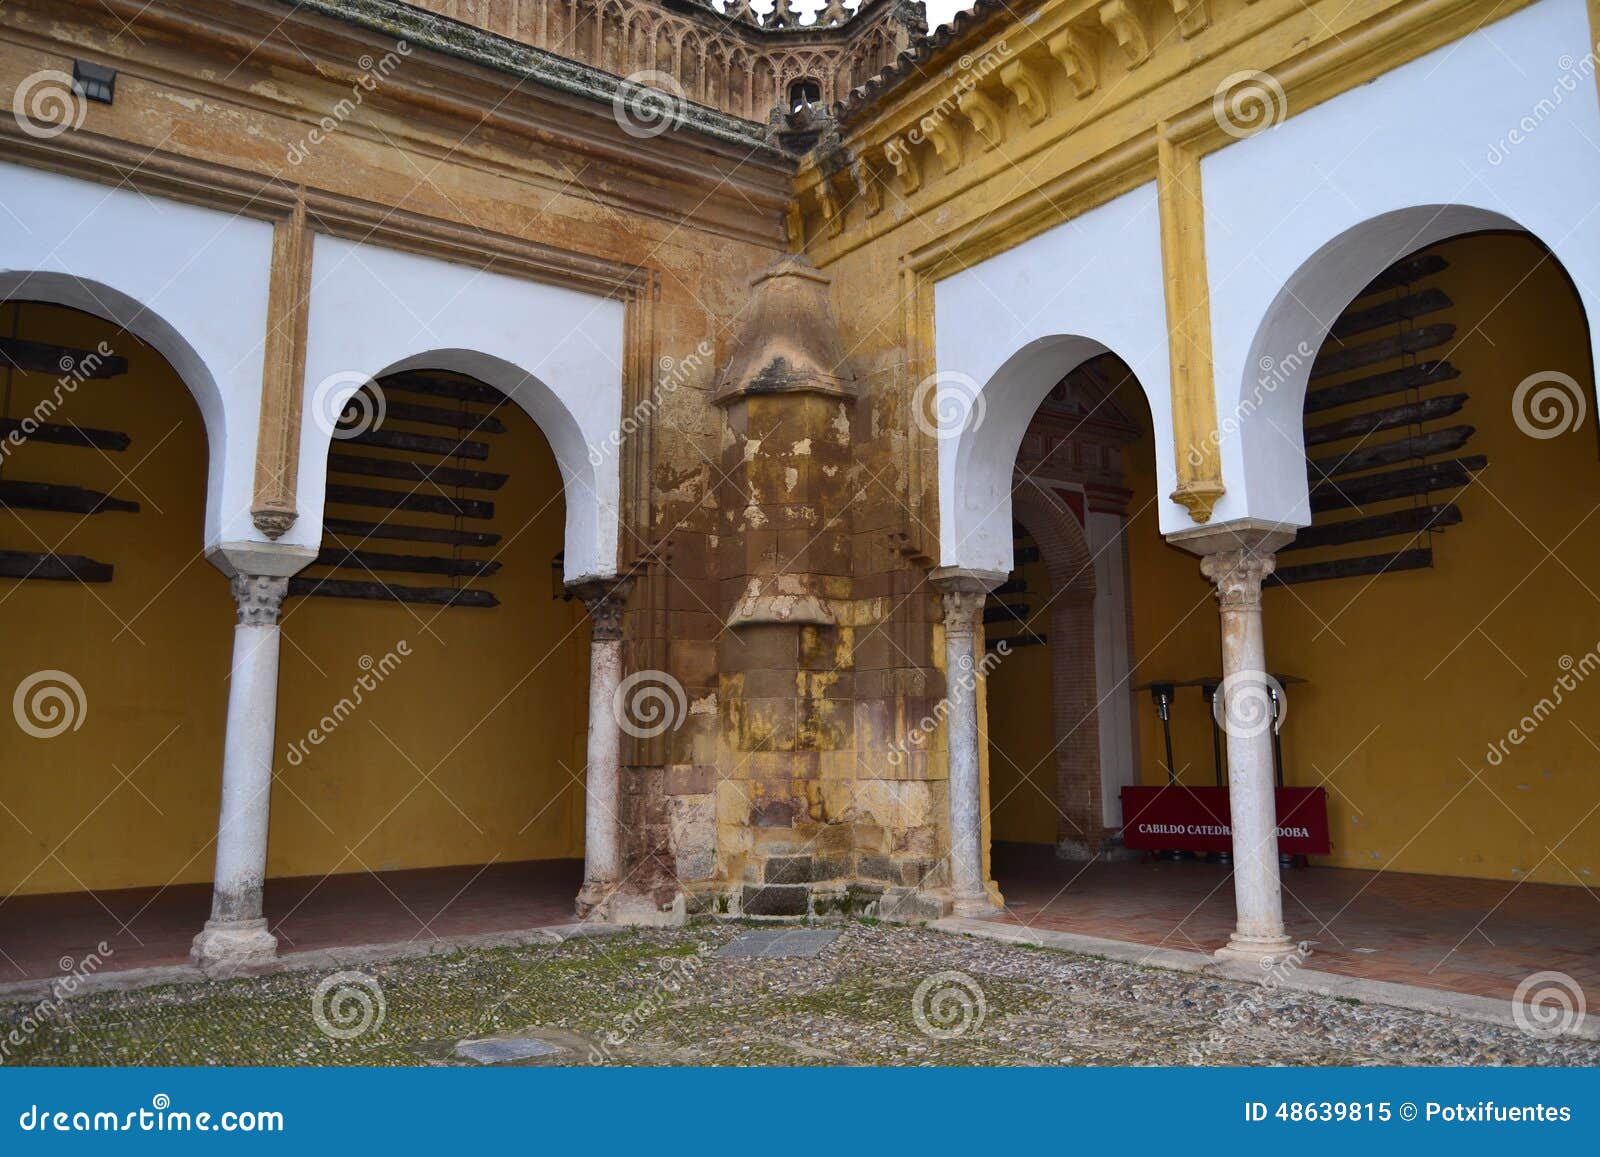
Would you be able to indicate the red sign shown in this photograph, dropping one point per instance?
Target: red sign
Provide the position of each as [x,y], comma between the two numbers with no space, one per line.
[1198,819]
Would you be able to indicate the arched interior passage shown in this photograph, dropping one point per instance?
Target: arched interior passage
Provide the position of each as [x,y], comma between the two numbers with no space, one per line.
[434,682]
[1059,719]
[117,634]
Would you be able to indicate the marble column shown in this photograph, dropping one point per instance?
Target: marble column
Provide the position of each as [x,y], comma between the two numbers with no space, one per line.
[964,592]
[602,828]
[237,932]
[1247,723]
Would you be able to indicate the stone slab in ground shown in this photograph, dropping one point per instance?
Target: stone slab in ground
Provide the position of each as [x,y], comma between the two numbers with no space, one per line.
[497,1050]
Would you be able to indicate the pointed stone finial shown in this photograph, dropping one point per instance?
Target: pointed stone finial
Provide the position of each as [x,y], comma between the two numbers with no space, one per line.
[782,15]
[835,13]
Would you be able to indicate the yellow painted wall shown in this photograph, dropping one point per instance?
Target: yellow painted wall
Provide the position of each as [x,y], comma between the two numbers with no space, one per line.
[149,649]
[1022,761]
[491,703]
[1412,676]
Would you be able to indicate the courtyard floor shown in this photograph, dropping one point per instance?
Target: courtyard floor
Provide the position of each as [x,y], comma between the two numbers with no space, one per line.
[878,994]
[1480,937]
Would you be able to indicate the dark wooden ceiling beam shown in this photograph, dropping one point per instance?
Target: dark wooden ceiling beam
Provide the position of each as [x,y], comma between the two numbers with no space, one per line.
[1392,312]
[351,528]
[415,500]
[29,564]
[415,471]
[1369,564]
[38,357]
[1336,360]
[1379,385]
[1450,474]
[1415,520]
[64,435]
[1374,421]
[73,499]
[341,557]
[385,592]
[1412,447]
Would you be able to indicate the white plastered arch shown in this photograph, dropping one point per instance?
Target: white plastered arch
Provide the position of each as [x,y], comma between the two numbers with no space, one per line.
[556,352]
[1300,217]
[1015,325]
[190,282]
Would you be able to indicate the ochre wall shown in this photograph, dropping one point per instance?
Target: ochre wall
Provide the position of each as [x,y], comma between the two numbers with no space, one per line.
[1022,741]
[490,703]
[150,649]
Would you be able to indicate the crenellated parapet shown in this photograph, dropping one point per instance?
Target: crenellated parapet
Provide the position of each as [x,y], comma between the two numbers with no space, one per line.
[731,58]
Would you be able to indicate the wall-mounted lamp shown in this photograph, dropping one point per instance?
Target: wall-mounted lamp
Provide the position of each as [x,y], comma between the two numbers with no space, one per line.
[95,81]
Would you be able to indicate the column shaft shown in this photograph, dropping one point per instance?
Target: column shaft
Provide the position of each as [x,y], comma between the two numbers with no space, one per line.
[1246,710]
[964,594]
[237,931]
[602,827]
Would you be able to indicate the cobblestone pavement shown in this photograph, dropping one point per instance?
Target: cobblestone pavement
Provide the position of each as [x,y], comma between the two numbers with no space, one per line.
[880,994]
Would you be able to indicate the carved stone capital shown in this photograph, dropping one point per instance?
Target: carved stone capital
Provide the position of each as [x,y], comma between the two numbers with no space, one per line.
[258,598]
[605,600]
[1238,575]
[963,592]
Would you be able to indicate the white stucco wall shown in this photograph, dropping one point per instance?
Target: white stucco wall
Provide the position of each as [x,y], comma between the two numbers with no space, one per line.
[1020,321]
[191,282]
[556,352]
[1501,129]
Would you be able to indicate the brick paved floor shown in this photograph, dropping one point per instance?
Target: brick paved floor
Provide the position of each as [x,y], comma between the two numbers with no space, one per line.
[306,912]
[1476,936]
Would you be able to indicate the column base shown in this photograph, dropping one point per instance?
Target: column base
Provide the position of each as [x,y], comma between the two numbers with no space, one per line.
[1256,950]
[975,907]
[233,944]
[593,899]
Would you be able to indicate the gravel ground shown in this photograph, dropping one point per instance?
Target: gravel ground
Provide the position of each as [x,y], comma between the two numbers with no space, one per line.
[657,997]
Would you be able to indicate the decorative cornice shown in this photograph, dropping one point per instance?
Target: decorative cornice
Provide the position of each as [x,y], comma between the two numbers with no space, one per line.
[437,86]
[1128,23]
